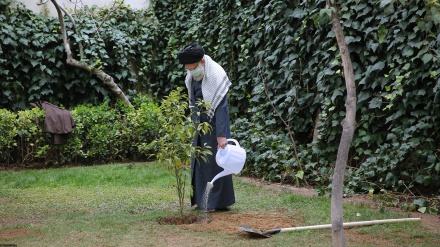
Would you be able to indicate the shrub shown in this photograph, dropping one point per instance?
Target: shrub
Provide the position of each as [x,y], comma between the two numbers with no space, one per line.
[32,142]
[8,133]
[145,122]
[98,130]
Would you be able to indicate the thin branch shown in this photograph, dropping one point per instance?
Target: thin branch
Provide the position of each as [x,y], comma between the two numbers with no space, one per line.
[408,189]
[81,50]
[107,79]
[111,11]
[284,122]
[294,101]
[42,2]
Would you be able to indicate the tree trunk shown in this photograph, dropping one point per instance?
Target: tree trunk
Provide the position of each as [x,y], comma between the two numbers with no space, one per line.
[107,79]
[348,125]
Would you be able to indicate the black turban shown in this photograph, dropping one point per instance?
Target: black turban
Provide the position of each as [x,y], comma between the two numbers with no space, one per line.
[191,54]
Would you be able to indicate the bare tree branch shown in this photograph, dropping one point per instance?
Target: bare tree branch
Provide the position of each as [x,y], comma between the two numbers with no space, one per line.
[81,49]
[284,122]
[111,11]
[42,2]
[107,79]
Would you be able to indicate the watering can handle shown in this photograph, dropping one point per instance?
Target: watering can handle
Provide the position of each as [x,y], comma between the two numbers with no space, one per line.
[235,141]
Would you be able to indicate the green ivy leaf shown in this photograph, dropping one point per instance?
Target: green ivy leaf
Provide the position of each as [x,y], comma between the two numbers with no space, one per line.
[327,12]
[421,92]
[7,41]
[24,41]
[391,136]
[422,210]
[376,102]
[46,91]
[16,63]
[300,174]
[7,93]
[426,58]
[34,62]
[407,52]
[297,13]
[366,139]
[382,33]
[336,93]
[378,66]
[363,95]
[421,202]
[384,3]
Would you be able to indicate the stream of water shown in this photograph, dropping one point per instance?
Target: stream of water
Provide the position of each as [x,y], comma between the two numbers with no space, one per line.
[205,199]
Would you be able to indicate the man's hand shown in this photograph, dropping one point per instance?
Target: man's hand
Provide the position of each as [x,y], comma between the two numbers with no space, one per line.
[222,142]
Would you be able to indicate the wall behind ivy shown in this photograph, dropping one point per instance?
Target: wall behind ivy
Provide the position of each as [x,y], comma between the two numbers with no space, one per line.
[287,47]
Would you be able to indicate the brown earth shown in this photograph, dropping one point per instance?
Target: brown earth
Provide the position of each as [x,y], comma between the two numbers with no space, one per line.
[15,233]
[431,222]
[227,222]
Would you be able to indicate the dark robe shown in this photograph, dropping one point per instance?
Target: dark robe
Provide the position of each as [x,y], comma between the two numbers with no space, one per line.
[222,194]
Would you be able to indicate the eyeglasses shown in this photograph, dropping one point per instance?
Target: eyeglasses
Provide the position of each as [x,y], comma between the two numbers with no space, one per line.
[194,67]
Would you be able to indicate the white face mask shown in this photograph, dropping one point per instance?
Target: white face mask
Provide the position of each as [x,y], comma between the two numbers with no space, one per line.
[198,72]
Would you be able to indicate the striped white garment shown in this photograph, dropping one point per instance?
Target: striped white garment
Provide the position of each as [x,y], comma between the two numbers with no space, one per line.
[215,84]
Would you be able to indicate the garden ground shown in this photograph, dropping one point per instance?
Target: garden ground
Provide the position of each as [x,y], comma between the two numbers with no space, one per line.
[117,214]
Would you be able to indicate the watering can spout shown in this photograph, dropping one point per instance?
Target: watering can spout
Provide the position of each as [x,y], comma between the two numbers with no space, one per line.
[221,174]
[231,159]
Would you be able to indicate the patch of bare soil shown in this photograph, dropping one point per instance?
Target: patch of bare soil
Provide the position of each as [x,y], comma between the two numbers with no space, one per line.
[179,220]
[15,233]
[431,222]
[227,223]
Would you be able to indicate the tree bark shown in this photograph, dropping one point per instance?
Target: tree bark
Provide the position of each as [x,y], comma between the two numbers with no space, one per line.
[106,79]
[349,126]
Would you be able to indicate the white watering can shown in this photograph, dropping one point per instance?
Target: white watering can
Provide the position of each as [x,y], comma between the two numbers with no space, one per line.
[231,159]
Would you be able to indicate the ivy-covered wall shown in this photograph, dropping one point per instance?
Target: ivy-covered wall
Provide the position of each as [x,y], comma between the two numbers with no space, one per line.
[280,53]
[288,48]
[32,56]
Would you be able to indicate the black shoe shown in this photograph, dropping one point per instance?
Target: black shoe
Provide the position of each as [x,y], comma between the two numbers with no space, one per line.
[222,209]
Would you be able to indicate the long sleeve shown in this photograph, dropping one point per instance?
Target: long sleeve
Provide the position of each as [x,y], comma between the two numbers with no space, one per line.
[222,121]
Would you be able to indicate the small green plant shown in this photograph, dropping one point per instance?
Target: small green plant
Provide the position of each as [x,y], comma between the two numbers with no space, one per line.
[8,131]
[31,139]
[174,146]
[144,122]
[405,202]
[99,131]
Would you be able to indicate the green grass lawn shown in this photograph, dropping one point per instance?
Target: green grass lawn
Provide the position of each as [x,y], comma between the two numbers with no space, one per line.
[119,205]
